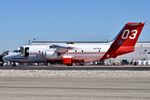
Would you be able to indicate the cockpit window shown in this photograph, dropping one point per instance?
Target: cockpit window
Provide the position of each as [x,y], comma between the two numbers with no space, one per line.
[17,51]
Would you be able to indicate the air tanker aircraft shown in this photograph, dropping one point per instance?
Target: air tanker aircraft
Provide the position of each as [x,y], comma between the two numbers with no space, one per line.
[81,53]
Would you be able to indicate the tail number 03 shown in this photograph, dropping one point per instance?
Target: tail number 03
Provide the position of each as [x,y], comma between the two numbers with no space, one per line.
[126,34]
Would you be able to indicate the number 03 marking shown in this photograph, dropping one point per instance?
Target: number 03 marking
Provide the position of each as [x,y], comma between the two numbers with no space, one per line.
[126,34]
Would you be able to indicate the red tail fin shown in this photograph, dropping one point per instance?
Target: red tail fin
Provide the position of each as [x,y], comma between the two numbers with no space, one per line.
[125,41]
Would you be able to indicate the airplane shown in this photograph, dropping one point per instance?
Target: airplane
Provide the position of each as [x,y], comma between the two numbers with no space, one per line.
[1,57]
[74,53]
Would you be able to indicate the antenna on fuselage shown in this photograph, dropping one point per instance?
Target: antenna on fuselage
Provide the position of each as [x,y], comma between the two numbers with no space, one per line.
[29,42]
[107,40]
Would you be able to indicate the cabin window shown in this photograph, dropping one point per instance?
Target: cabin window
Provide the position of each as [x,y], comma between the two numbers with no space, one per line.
[99,50]
[82,51]
[75,50]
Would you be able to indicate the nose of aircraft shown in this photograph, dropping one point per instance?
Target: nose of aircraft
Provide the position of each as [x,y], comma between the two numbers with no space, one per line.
[10,56]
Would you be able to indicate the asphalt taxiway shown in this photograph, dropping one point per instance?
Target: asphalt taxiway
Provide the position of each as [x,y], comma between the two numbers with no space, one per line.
[23,88]
[75,83]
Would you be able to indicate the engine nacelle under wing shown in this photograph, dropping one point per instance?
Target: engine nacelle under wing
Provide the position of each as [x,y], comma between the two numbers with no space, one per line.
[48,54]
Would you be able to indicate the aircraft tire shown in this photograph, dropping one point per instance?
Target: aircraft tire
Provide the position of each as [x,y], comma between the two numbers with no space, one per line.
[69,64]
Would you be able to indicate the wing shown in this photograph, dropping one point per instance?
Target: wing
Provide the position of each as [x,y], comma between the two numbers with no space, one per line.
[60,47]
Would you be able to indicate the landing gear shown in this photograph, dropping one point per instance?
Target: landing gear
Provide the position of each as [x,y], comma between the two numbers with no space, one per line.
[1,64]
[69,64]
[13,64]
[82,64]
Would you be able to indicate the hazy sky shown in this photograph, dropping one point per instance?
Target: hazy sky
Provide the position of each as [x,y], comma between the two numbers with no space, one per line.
[69,20]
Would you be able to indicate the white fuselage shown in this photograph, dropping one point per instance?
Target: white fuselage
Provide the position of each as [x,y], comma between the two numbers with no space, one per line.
[42,53]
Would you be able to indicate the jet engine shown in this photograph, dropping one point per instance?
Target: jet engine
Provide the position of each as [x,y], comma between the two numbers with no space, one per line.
[48,54]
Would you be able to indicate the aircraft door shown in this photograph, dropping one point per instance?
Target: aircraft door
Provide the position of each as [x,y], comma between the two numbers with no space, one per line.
[26,52]
[22,50]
